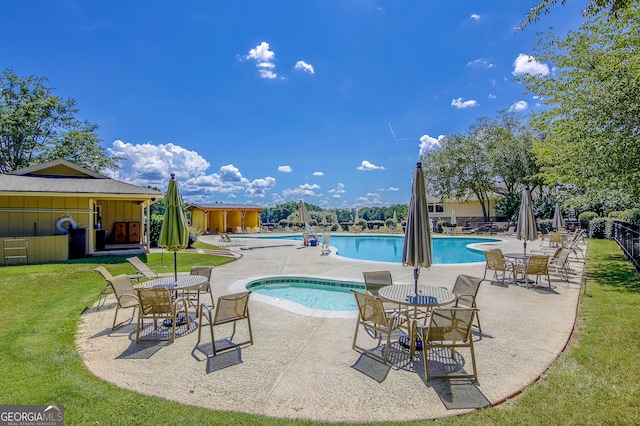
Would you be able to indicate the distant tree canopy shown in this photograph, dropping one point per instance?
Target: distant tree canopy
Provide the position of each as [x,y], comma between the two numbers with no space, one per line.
[36,126]
[334,215]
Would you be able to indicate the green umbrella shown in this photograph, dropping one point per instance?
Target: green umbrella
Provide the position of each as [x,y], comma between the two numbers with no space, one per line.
[174,235]
[416,250]
[527,229]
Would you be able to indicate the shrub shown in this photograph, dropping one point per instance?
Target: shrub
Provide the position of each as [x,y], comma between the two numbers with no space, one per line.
[545,225]
[615,214]
[585,217]
[601,227]
[155,225]
[631,216]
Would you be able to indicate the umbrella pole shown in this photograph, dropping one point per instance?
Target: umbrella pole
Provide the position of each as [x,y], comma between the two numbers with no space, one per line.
[525,246]
[175,265]
[416,274]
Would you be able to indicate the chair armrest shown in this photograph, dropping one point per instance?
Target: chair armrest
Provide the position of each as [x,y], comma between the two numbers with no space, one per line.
[473,298]
[125,295]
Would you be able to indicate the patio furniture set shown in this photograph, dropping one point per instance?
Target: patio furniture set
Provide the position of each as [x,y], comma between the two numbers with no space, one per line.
[168,299]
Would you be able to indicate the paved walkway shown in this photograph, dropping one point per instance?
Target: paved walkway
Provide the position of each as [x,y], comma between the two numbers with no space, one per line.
[303,366]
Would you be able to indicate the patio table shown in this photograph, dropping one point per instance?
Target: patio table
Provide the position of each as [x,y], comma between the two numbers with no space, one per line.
[428,297]
[184,282]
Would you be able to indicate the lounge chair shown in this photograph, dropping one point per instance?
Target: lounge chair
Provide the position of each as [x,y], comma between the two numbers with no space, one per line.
[102,297]
[559,263]
[239,230]
[325,248]
[229,309]
[447,328]
[457,230]
[466,289]
[125,297]
[157,304]
[372,317]
[146,271]
[496,262]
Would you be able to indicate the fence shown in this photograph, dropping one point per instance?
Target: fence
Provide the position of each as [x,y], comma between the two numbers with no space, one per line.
[628,238]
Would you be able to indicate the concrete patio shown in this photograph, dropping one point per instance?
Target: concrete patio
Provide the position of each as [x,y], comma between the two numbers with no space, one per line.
[303,367]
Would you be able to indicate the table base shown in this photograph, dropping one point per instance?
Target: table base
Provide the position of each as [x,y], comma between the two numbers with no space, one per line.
[406,343]
[180,320]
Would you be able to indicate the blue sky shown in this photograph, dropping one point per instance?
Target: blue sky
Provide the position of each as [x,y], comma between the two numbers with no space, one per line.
[263,102]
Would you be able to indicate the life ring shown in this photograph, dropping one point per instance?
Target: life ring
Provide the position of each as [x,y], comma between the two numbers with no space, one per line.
[65,219]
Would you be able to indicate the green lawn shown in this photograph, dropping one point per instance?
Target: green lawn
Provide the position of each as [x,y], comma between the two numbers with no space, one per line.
[594,382]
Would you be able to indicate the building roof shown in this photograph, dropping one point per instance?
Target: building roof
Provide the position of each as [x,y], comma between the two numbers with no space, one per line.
[63,177]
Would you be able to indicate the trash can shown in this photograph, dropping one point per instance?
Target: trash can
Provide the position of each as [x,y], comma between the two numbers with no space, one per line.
[101,239]
[77,243]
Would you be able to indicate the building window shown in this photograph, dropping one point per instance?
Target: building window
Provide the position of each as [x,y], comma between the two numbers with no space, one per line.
[439,208]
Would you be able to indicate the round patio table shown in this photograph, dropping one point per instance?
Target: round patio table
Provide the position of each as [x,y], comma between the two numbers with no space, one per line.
[428,297]
[184,282]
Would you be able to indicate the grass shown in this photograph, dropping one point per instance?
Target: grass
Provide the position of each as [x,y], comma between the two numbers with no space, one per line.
[593,382]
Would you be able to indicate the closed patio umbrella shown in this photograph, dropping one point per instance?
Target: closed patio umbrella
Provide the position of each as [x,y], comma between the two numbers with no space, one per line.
[416,250]
[558,220]
[174,234]
[454,219]
[527,229]
[303,214]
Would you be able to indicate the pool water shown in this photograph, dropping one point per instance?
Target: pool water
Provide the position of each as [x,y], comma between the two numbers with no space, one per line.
[388,248]
[315,293]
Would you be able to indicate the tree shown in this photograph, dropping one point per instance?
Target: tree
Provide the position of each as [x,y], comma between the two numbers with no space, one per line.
[460,169]
[36,126]
[594,7]
[592,124]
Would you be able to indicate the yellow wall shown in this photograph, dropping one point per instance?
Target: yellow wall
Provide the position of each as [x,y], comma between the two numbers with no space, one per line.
[36,216]
[40,249]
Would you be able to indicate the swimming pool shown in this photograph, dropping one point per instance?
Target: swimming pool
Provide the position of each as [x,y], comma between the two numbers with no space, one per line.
[312,296]
[388,248]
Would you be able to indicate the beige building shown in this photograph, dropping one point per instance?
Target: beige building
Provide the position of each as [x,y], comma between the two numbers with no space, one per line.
[219,217]
[57,210]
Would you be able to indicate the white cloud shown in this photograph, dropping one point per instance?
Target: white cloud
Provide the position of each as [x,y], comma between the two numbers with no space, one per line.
[526,64]
[302,65]
[427,143]
[475,16]
[339,190]
[393,188]
[519,106]
[285,169]
[368,166]
[151,165]
[461,103]
[318,174]
[264,58]
[480,63]
[492,96]
[305,190]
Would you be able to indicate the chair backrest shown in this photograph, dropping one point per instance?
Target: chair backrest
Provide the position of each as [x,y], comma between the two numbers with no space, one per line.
[155,301]
[562,257]
[225,237]
[495,259]
[326,238]
[555,238]
[465,289]
[537,264]
[370,309]
[203,271]
[103,271]
[142,267]
[121,285]
[232,307]
[451,324]
[375,280]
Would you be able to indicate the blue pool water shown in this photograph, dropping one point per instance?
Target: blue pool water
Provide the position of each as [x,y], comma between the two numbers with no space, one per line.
[388,248]
[315,293]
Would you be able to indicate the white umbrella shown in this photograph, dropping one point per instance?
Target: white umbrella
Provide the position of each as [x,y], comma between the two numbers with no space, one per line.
[454,219]
[558,220]
[416,250]
[527,229]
